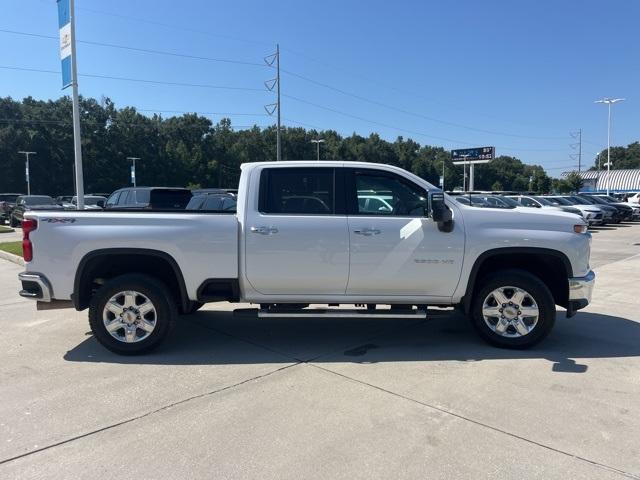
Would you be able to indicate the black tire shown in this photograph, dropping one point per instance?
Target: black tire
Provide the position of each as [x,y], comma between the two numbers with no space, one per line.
[159,295]
[535,288]
[12,222]
[193,307]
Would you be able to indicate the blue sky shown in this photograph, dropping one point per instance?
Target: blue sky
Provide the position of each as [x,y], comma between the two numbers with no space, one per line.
[514,74]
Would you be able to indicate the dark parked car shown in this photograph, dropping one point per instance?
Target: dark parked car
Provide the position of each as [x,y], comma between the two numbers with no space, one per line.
[149,198]
[7,204]
[624,210]
[31,202]
[219,202]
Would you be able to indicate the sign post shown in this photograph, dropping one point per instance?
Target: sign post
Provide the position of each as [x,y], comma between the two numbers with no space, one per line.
[68,58]
[471,156]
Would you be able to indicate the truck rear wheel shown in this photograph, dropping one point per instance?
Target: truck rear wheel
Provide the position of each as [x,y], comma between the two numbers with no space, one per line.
[513,309]
[132,314]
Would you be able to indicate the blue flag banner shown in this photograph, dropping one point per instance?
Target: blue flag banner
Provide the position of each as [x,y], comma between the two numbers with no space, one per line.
[64,23]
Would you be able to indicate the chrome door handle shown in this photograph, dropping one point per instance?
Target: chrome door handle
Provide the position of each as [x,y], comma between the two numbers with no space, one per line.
[264,230]
[367,232]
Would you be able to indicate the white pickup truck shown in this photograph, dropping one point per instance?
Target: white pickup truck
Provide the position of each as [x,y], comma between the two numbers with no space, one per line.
[310,233]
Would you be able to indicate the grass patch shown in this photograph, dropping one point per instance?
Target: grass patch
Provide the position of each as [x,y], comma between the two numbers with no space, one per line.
[12,247]
[6,229]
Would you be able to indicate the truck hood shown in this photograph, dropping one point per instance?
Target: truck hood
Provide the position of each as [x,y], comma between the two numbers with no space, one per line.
[523,218]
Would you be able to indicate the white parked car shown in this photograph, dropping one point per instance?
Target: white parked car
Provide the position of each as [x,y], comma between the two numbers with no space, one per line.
[634,198]
[300,237]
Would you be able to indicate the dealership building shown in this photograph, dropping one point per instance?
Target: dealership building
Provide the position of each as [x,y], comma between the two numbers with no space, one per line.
[626,180]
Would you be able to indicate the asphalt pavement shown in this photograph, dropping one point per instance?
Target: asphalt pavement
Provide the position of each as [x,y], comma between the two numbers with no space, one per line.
[231,396]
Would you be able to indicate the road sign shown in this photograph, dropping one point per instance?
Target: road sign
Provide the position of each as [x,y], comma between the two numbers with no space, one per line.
[472,154]
[64,24]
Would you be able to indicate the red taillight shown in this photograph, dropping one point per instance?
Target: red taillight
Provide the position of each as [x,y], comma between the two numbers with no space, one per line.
[28,226]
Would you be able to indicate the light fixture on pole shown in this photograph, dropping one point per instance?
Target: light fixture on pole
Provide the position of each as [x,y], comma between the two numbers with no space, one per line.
[133,169]
[318,142]
[609,102]
[26,169]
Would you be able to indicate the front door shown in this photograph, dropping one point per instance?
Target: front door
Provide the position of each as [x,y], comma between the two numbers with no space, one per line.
[297,243]
[395,248]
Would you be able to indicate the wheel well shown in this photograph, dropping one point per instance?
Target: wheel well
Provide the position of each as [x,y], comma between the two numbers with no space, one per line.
[552,269]
[98,267]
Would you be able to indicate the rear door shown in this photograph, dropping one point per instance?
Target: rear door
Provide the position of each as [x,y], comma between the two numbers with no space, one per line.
[397,250]
[297,240]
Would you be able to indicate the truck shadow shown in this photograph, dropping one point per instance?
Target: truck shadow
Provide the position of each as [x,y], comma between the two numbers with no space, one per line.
[219,338]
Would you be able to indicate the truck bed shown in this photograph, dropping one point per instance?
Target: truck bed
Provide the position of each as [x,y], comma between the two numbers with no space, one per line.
[203,243]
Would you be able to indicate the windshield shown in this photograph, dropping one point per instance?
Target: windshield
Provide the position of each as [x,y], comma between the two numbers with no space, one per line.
[543,201]
[38,200]
[579,201]
[559,201]
[597,200]
[510,201]
[8,198]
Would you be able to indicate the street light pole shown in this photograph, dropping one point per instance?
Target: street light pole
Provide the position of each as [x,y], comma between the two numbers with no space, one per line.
[318,142]
[26,171]
[609,102]
[464,174]
[133,169]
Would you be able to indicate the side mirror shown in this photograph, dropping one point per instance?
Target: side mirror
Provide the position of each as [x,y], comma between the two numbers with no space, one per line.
[100,203]
[439,212]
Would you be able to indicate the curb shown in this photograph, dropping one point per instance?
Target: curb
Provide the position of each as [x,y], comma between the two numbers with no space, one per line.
[12,258]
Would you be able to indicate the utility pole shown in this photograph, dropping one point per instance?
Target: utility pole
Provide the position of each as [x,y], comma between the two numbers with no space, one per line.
[26,169]
[577,136]
[609,102]
[133,169]
[318,142]
[273,107]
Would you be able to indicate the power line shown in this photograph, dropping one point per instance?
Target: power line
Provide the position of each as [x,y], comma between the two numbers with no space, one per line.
[140,80]
[141,50]
[296,75]
[413,132]
[415,114]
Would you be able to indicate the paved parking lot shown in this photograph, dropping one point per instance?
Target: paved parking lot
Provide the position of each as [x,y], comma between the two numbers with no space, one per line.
[237,397]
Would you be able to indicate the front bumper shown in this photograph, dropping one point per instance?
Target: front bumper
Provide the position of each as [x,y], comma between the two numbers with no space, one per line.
[35,287]
[580,291]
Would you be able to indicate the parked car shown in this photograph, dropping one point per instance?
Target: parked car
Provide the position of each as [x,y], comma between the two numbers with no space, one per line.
[611,214]
[149,198]
[7,204]
[634,198]
[624,210]
[31,203]
[217,202]
[136,270]
[635,209]
[91,202]
[64,199]
[592,214]
[533,201]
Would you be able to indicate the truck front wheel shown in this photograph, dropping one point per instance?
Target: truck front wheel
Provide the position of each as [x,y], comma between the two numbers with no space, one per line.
[513,309]
[132,314]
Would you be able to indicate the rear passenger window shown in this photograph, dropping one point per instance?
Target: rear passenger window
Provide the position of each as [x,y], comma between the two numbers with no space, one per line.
[306,191]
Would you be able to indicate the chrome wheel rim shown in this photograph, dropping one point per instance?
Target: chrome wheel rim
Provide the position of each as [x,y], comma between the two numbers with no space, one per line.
[510,312]
[129,316]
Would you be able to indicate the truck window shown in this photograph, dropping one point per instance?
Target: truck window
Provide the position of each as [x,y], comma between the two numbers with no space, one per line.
[384,194]
[306,191]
